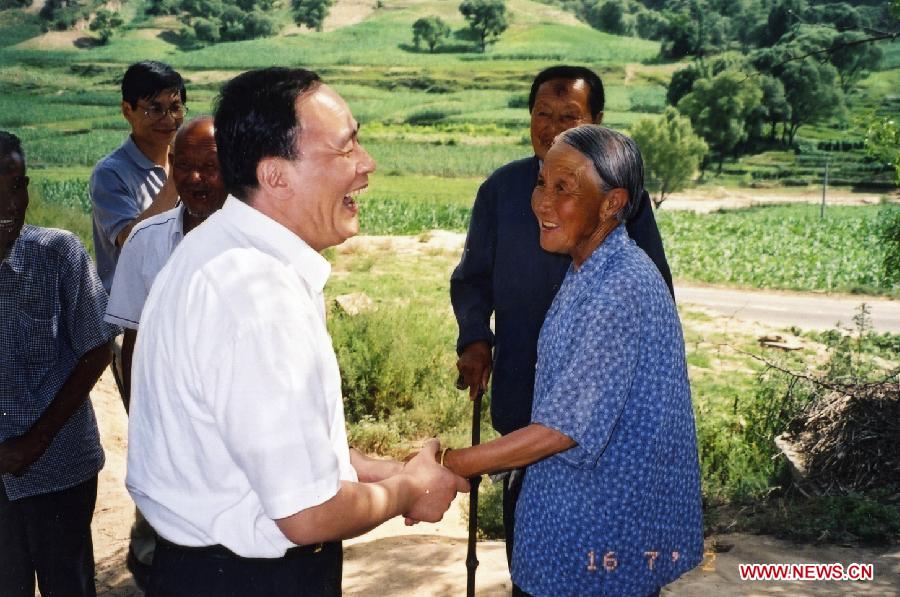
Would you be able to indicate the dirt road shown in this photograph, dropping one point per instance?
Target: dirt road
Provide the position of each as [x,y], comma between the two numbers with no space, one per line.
[805,310]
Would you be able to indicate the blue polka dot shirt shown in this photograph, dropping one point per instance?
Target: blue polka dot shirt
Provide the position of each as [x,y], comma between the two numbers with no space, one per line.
[619,513]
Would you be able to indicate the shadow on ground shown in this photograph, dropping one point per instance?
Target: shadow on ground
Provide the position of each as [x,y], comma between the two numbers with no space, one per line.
[421,565]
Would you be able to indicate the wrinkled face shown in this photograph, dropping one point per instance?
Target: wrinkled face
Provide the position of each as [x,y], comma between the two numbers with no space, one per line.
[155,121]
[568,202]
[195,170]
[331,170]
[13,200]
[559,105]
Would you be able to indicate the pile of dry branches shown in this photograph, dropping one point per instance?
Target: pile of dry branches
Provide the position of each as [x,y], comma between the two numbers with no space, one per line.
[850,437]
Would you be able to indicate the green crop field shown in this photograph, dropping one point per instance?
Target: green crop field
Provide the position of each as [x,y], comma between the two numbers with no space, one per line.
[787,247]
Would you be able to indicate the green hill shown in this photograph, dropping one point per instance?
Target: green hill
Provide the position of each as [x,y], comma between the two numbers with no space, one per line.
[456,113]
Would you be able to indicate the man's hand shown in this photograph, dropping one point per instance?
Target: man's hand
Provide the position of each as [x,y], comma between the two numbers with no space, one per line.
[436,485]
[168,194]
[474,366]
[18,453]
[373,470]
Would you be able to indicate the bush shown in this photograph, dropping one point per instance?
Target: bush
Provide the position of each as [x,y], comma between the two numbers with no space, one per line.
[490,510]
[517,101]
[389,358]
[258,24]
[889,233]
[428,116]
[206,30]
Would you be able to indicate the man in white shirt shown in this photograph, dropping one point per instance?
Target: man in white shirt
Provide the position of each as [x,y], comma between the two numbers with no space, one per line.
[238,452]
[195,172]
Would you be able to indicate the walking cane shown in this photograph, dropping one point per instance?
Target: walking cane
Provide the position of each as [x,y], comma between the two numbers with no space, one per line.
[474,482]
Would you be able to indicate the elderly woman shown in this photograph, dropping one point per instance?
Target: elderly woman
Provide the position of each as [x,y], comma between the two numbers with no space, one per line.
[611,500]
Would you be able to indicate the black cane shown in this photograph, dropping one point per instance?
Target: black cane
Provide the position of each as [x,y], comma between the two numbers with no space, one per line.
[474,482]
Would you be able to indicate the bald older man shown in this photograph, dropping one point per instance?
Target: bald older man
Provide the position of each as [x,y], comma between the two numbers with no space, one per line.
[195,172]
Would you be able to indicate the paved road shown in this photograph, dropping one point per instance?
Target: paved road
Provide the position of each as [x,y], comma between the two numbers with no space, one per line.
[808,311]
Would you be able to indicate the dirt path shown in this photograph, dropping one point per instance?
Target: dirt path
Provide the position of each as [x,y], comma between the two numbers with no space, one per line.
[805,310]
[705,199]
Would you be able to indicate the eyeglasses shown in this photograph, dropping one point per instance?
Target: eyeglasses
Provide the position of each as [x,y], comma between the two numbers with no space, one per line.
[156,112]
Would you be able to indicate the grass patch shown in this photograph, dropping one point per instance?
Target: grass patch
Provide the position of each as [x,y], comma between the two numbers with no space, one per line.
[862,519]
[44,210]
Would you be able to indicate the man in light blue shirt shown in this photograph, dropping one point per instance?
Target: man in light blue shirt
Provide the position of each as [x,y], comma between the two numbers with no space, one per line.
[132,183]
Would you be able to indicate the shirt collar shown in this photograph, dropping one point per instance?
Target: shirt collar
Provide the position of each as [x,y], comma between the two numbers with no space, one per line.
[281,242]
[178,230]
[16,257]
[137,156]
[612,244]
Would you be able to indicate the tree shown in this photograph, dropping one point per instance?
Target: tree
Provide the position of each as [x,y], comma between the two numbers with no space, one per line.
[608,16]
[679,35]
[206,30]
[783,15]
[259,24]
[853,60]
[203,8]
[841,16]
[681,83]
[748,22]
[105,24]
[649,24]
[251,5]
[232,20]
[774,107]
[671,150]
[311,13]
[719,109]
[487,18]
[809,87]
[683,80]
[883,143]
[431,30]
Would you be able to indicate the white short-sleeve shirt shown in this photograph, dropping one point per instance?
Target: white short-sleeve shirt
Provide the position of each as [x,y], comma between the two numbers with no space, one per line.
[236,415]
[143,255]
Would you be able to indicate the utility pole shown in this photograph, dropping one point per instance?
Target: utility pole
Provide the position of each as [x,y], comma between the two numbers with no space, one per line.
[824,186]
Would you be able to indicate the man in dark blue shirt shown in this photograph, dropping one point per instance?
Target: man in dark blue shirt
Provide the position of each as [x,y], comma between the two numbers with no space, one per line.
[53,347]
[504,271]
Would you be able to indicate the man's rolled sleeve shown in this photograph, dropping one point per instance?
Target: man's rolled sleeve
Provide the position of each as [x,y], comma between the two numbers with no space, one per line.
[471,284]
[271,409]
[83,302]
[588,397]
[113,203]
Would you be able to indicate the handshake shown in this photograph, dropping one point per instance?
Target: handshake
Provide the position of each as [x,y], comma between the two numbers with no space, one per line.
[432,486]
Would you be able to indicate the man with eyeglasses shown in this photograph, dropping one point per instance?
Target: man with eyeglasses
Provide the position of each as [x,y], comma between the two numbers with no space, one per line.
[54,345]
[132,183]
[129,185]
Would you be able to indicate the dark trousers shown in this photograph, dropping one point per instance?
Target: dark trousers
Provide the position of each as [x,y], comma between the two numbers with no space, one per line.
[48,536]
[216,572]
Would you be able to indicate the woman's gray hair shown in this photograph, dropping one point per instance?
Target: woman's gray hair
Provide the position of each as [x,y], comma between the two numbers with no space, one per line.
[616,159]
